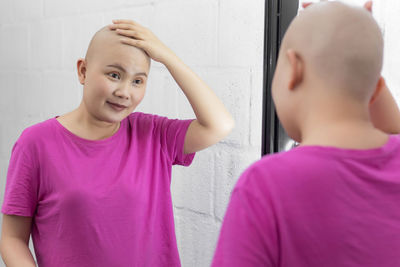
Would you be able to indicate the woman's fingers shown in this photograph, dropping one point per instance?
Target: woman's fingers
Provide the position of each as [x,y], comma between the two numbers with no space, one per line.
[122,26]
[129,29]
[368,6]
[124,21]
[133,42]
[306,4]
[129,33]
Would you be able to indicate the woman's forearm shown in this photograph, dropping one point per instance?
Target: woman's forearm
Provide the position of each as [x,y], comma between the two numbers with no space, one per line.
[208,108]
[16,253]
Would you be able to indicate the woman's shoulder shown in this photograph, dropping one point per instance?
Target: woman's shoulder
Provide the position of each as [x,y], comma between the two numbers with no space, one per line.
[36,132]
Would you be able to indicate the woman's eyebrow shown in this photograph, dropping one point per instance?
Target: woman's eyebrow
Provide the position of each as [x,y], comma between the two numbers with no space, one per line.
[117,66]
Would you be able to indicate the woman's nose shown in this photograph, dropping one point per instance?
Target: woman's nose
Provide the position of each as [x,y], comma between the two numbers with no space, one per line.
[123,90]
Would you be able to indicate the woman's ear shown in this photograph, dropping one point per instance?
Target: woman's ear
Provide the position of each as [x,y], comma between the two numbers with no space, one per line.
[296,69]
[378,89]
[81,66]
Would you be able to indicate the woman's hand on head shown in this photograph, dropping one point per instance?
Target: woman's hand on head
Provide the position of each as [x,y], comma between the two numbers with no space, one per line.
[384,111]
[132,33]
[368,6]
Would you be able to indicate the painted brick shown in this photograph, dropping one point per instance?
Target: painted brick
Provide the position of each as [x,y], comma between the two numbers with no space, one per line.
[29,95]
[241,33]
[191,187]
[198,237]
[231,162]
[28,10]
[14,47]
[161,94]
[143,15]
[233,87]
[189,29]
[7,12]
[61,88]
[77,33]
[99,6]
[256,105]
[46,41]
[60,8]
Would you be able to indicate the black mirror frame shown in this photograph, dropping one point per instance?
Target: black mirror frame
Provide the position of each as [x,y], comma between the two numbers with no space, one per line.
[278,15]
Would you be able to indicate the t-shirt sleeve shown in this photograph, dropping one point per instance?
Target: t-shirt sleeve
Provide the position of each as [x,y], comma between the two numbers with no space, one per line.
[173,133]
[20,196]
[248,234]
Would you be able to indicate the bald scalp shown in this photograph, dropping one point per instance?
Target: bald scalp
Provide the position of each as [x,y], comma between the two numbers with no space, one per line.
[340,44]
[105,38]
[99,38]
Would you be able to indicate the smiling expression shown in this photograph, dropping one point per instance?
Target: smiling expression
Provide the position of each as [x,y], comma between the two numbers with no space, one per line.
[114,76]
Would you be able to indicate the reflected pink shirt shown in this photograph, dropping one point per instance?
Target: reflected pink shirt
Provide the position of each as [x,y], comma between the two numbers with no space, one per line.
[99,203]
[316,206]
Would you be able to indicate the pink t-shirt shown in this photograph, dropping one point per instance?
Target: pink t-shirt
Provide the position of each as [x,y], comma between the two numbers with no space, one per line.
[99,203]
[316,206]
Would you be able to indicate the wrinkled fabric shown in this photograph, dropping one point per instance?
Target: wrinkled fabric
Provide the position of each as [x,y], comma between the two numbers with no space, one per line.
[316,206]
[99,202]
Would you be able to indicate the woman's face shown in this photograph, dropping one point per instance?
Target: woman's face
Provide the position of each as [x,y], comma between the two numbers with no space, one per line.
[114,81]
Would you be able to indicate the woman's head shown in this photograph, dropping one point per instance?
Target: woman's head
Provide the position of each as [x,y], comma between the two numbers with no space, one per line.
[331,53]
[114,77]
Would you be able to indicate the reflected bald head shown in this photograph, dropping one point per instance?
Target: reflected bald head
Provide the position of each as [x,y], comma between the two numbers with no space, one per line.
[342,45]
[106,39]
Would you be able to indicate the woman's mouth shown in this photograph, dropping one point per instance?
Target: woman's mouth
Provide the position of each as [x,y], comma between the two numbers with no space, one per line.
[116,106]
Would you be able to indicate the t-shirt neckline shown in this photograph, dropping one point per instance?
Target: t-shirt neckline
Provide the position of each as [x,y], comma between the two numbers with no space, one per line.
[79,139]
[391,144]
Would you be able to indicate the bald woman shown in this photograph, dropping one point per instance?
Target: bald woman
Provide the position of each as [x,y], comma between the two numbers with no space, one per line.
[93,185]
[334,200]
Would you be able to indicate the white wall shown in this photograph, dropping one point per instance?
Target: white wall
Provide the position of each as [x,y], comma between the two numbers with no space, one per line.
[222,40]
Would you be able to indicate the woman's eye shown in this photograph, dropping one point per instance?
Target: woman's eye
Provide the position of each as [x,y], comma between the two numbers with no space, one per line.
[114,75]
[138,81]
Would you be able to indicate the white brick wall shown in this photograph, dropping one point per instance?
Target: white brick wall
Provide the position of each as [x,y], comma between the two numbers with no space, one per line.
[222,40]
